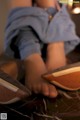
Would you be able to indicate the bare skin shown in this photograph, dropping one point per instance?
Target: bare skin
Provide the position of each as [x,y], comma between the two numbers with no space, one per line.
[20,3]
[55,56]
[55,51]
[11,69]
[35,68]
[34,64]
[46,4]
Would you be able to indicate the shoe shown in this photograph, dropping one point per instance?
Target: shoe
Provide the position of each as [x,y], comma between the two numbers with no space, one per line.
[67,77]
[11,90]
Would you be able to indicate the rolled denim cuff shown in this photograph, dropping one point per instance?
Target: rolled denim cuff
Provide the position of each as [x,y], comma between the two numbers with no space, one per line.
[28,49]
[28,42]
[62,28]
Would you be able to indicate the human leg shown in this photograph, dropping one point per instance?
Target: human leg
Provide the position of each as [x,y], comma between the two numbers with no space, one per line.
[55,51]
[11,90]
[55,56]
[46,4]
[33,69]
[12,70]
[20,3]
[9,66]
[12,66]
[34,65]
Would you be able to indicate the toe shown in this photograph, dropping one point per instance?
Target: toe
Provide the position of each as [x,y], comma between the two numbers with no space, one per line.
[45,89]
[52,91]
[36,88]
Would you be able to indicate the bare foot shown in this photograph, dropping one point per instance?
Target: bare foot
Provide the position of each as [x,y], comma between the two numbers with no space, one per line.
[35,68]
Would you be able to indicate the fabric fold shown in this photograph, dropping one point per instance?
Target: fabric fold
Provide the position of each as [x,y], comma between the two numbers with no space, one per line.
[61,27]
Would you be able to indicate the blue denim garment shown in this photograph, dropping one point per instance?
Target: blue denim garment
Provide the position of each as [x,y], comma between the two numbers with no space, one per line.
[61,28]
[28,42]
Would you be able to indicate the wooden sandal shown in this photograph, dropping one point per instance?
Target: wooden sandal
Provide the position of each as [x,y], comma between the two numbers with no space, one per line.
[11,90]
[67,77]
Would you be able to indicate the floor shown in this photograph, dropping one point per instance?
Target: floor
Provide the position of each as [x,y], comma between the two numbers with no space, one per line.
[65,107]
